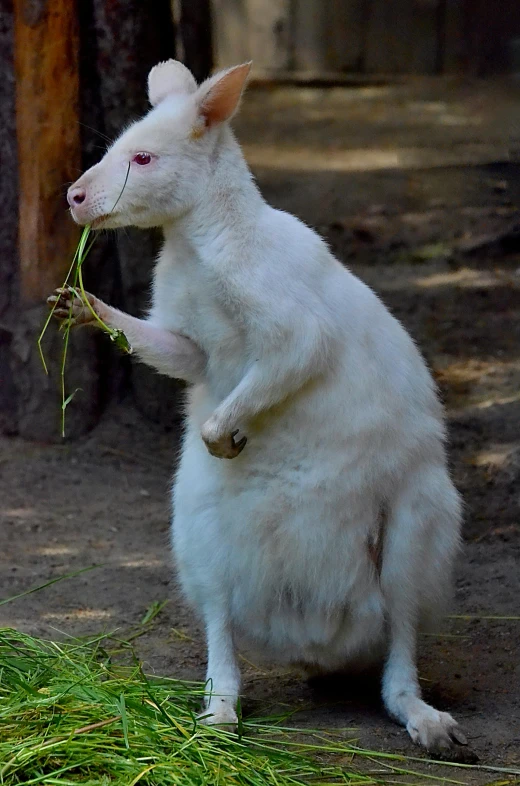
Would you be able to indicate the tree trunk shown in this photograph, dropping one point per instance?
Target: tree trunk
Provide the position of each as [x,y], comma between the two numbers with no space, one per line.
[195,30]
[121,41]
[49,157]
[69,106]
[9,211]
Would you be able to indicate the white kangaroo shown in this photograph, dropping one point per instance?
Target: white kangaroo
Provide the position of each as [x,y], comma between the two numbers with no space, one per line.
[330,536]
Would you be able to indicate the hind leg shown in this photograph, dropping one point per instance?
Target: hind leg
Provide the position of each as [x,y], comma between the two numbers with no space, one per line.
[201,559]
[223,675]
[434,730]
[420,544]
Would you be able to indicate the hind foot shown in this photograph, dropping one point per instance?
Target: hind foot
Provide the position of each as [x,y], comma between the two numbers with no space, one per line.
[436,731]
[220,714]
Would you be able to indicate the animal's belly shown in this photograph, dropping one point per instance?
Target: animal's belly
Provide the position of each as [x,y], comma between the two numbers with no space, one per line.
[285,533]
[303,588]
[299,630]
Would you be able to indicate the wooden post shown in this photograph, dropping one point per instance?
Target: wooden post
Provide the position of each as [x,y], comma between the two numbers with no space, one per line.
[48,133]
[49,158]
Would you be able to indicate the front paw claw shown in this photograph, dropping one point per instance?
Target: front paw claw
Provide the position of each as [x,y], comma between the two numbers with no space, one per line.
[226,446]
[66,305]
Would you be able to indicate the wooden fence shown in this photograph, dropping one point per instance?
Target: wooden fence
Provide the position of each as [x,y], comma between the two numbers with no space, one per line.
[327,39]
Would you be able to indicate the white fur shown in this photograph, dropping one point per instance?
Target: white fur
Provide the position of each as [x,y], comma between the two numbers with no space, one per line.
[345,456]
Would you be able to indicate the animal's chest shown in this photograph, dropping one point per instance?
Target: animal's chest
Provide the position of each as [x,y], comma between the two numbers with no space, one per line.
[186,300]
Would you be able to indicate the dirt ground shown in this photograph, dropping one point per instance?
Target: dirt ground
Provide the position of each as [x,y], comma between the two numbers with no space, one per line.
[438,236]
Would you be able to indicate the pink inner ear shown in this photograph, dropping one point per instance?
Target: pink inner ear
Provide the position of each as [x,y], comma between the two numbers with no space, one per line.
[223,98]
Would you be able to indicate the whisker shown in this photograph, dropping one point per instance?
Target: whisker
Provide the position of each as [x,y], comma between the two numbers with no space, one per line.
[100,133]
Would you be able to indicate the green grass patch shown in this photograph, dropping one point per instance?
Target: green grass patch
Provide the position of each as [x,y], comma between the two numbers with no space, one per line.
[72,713]
[84,712]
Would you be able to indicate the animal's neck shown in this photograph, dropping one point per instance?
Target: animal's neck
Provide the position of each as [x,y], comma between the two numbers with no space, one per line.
[221,223]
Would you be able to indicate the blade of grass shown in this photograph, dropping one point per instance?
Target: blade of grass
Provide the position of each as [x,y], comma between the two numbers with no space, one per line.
[49,317]
[48,584]
[124,718]
[155,608]
[493,617]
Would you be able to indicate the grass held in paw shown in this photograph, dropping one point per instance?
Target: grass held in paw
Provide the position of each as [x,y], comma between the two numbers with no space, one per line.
[72,288]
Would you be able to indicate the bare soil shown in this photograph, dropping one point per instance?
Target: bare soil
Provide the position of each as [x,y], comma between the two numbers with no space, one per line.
[440,245]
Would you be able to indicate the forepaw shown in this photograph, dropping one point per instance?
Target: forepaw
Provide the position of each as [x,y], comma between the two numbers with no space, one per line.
[436,731]
[67,305]
[224,718]
[223,447]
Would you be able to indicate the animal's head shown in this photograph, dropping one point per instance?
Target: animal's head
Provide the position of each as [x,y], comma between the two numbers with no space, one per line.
[160,165]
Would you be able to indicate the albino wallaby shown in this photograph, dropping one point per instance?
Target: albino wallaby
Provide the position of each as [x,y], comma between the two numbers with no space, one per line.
[330,535]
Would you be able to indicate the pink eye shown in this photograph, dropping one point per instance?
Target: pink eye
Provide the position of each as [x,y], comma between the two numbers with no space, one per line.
[142,159]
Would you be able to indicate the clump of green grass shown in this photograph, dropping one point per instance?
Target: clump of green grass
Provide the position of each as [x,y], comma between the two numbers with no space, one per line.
[84,712]
[74,282]
[69,714]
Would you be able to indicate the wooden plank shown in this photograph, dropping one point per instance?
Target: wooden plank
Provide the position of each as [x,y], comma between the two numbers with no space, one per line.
[46,60]
[478,36]
[121,263]
[309,42]
[347,25]
[454,44]
[424,37]
[388,38]
[495,28]
[328,35]
[402,37]
[257,30]
[230,32]
[269,33]
[48,139]
[8,181]
[321,79]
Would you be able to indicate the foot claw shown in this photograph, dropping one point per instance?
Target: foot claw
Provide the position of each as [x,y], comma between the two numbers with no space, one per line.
[240,445]
[458,736]
[436,731]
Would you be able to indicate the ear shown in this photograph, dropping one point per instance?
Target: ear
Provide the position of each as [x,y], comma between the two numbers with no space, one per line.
[169,78]
[218,97]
